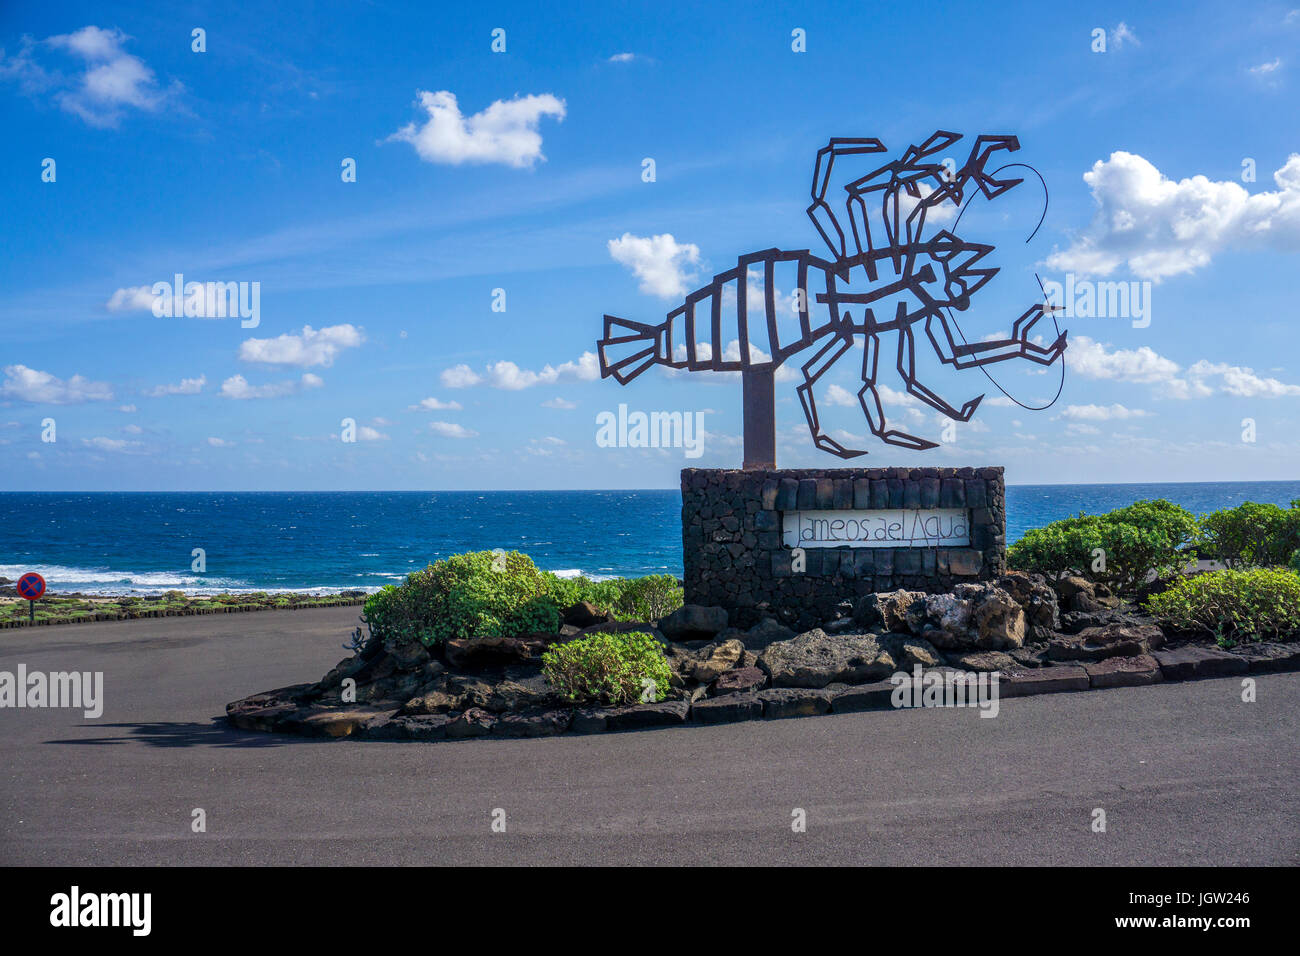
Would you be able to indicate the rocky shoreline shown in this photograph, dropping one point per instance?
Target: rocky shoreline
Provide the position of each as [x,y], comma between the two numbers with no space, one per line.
[1038,637]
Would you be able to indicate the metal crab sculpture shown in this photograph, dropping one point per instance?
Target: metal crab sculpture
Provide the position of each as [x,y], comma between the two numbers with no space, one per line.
[867,288]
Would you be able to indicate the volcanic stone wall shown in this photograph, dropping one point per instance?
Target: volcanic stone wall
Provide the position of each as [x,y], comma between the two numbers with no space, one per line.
[735,557]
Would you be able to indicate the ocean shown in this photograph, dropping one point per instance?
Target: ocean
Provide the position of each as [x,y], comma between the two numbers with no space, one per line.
[142,542]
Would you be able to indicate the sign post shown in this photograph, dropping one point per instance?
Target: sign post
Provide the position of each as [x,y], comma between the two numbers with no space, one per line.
[31,586]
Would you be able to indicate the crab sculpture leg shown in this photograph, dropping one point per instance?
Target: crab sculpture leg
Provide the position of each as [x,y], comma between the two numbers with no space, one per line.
[1019,345]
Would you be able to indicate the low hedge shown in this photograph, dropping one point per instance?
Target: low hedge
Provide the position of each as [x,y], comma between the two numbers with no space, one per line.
[486,593]
[1121,548]
[1233,606]
[1251,534]
[466,595]
[607,668]
[628,599]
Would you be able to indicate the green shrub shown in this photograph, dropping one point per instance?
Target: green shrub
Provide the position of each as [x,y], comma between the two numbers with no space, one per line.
[466,595]
[628,599]
[1294,563]
[648,598]
[1121,548]
[488,593]
[1232,606]
[607,668]
[1251,534]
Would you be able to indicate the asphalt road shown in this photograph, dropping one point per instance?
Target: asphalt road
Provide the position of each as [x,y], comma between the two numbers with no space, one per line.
[1186,773]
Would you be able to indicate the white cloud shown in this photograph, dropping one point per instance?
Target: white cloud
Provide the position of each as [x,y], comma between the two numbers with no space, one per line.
[129,409]
[1242,382]
[220,443]
[111,444]
[505,132]
[111,80]
[451,430]
[131,299]
[307,348]
[133,429]
[30,385]
[510,377]
[1162,228]
[1144,366]
[437,405]
[1092,360]
[730,353]
[366,433]
[186,386]
[660,262]
[1100,413]
[1264,69]
[937,214]
[561,403]
[237,387]
[838,395]
[460,376]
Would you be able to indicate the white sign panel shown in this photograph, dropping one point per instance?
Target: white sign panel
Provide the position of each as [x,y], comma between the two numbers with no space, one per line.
[885,528]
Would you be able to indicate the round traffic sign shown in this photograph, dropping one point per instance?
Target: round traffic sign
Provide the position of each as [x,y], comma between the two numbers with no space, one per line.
[31,586]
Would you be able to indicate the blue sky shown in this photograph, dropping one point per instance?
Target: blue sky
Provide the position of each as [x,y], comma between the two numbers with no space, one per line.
[376,296]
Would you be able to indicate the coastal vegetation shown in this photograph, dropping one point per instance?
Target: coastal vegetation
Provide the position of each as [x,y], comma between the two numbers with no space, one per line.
[78,608]
[1122,549]
[1232,606]
[609,668]
[1144,550]
[487,593]
[1251,535]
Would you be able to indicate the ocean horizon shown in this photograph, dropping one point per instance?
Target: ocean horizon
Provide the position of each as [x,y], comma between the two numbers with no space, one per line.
[128,542]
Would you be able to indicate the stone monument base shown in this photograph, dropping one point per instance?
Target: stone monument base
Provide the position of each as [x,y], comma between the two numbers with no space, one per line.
[795,544]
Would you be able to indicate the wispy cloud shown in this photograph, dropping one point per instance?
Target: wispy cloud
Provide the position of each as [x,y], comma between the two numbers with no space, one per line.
[451,430]
[237,387]
[1100,413]
[186,386]
[510,377]
[111,444]
[110,81]
[435,405]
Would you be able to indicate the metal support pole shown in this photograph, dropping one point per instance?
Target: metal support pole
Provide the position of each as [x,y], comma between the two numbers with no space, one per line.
[759,415]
